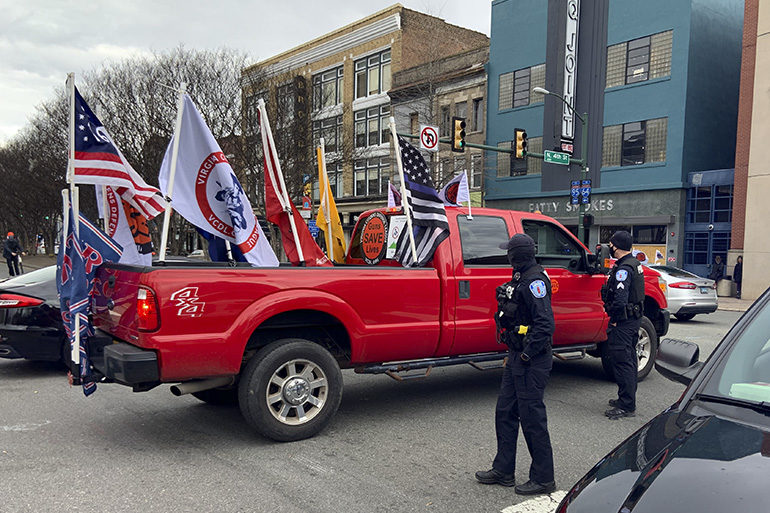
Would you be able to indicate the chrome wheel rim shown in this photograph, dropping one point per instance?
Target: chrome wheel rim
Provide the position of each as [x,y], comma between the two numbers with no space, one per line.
[296,392]
[643,349]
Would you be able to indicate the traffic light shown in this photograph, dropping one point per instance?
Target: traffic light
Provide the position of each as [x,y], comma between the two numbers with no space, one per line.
[588,220]
[458,134]
[520,142]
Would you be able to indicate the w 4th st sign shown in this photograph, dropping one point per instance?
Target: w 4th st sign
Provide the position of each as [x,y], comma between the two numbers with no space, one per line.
[556,157]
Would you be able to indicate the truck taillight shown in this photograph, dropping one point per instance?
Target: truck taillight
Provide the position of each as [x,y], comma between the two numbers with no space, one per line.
[682,285]
[17,301]
[146,309]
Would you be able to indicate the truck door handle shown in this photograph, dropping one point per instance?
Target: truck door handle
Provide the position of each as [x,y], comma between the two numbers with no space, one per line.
[465,289]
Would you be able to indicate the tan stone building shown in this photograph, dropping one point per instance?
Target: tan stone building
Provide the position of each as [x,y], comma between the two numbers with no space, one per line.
[435,92]
[751,210]
[336,87]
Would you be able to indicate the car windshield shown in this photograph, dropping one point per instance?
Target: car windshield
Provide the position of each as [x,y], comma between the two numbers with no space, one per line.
[745,372]
[37,276]
[674,271]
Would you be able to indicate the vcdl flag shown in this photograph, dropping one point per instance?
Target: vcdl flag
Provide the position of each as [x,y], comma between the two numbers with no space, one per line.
[207,193]
[456,191]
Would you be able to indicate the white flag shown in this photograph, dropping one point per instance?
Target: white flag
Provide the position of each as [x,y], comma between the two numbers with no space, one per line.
[207,193]
[456,191]
[394,195]
[133,235]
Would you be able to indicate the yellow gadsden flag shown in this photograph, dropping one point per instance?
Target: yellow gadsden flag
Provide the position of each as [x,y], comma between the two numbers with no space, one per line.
[328,219]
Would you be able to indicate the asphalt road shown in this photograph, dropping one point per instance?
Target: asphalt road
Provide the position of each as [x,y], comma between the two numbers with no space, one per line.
[410,446]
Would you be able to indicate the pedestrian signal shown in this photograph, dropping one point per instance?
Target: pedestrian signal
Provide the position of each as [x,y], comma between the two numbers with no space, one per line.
[458,134]
[520,143]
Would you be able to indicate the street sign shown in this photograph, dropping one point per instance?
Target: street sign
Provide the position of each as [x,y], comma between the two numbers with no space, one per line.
[556,157]
[585,191]
[313,228]
[429,138]
[574,192]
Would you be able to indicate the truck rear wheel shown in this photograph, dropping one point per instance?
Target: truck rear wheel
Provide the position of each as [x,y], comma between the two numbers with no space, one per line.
[290,390]
[646,349]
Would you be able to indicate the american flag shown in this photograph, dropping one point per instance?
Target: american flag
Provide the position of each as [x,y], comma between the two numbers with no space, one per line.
[99,161]
[428,215]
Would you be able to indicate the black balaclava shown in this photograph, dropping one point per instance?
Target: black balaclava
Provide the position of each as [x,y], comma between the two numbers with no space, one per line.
[521,251]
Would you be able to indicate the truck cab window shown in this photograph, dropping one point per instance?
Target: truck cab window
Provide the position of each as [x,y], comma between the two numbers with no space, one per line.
[555,247]
[480,238]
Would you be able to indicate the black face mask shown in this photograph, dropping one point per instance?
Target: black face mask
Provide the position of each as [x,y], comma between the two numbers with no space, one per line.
[613,249]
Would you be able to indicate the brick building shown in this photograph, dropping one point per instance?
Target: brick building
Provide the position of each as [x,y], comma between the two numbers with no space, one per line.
[434,92]
[751,209]
[336,87]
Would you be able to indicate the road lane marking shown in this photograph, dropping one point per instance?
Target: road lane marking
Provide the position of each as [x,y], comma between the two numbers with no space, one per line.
[24,427]
[539,504]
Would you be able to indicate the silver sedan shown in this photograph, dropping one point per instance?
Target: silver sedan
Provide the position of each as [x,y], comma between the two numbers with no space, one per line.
[687,294]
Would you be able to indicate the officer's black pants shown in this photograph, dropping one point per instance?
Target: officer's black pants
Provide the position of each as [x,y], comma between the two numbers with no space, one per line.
[521,401]
[621,343]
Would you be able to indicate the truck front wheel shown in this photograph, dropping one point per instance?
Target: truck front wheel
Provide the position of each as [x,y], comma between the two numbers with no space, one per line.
[646,349]
[290,390]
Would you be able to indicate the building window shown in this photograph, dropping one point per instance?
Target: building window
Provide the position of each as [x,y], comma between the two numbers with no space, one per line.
[327,88]
[371,126]
[504,160]
[331,130]
[477,124]
[334,172]
[371,176]
[461,110]
[710,204]
[516,87]
[284,96]
[634,143]
[534,166]
[414,123]
[444,127]
[477,170]
[640,59]
[373,74]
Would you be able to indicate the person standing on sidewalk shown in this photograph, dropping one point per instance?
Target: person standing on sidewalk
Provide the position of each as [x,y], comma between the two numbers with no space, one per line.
[11,251]
[738,276]
[525,323]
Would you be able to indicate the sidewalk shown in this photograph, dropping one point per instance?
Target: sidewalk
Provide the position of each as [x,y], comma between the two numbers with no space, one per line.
[732,304]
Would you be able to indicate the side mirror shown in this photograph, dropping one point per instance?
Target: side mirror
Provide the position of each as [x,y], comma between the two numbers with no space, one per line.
[678,361]
[603,258]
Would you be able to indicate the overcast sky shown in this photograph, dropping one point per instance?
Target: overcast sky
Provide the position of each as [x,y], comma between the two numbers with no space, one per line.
[42,40]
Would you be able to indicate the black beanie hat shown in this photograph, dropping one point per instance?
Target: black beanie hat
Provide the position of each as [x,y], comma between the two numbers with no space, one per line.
[621,239]
[521,247]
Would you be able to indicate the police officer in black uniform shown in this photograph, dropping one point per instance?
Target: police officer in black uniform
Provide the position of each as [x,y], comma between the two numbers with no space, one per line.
[623,296]
[525,323]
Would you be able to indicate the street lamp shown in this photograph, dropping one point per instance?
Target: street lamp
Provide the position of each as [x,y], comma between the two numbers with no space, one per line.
[583,161]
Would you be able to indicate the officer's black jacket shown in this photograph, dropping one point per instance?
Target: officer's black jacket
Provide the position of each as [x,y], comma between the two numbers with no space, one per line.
[626,291]
[532,311]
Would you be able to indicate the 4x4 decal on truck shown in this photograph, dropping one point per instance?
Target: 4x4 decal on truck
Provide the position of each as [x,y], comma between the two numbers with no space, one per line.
[188,302]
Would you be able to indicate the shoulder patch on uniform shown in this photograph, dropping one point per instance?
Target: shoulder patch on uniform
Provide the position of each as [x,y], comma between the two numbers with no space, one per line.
[621,275]
[538,288]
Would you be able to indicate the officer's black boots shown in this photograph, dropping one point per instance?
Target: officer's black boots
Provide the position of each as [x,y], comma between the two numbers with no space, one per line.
[495,477]
[618,413]
[533,488]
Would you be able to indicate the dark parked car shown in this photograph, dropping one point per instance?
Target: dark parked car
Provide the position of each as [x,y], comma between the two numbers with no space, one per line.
[30,323]
[710,451]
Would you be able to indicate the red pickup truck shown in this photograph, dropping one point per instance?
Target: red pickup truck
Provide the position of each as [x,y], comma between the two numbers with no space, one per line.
[275,339]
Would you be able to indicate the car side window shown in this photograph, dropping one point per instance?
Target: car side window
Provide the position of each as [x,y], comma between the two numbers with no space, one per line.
[480,239]
[555,248]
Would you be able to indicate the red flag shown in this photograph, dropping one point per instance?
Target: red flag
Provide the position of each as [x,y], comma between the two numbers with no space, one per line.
[281,211]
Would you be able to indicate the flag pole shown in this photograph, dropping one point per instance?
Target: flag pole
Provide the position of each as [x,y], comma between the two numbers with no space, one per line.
[174,153]
[71,160]
[470,215]
[283,197]
[404,202]
[324,185]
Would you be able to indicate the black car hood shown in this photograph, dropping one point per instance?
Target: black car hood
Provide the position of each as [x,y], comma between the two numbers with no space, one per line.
[679,462]
[44,289]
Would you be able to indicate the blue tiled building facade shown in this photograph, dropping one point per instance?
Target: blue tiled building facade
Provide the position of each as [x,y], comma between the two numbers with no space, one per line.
[659,81]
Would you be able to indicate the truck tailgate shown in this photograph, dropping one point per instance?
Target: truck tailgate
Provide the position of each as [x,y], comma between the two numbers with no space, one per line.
[115,300]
